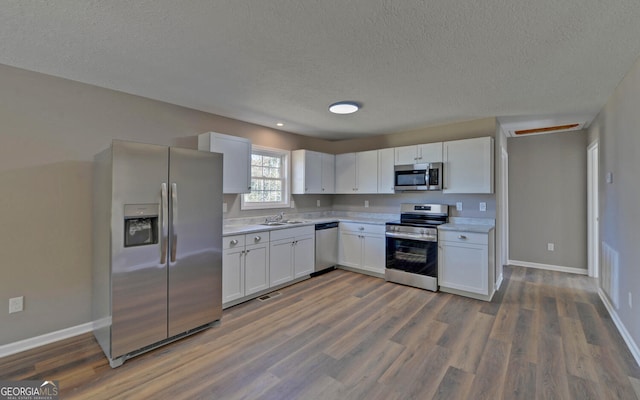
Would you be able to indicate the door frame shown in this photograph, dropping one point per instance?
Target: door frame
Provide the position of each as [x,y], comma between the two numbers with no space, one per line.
[593,234]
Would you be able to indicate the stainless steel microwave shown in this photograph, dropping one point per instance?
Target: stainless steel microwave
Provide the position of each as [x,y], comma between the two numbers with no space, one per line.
[415,177]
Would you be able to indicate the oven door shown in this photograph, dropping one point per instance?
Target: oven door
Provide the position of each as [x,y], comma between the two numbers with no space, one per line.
[412,262]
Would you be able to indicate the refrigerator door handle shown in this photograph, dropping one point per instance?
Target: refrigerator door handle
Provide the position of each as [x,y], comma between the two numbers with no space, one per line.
[174,218]
[164,215]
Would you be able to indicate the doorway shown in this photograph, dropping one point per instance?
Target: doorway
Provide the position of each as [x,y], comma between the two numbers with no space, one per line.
[593,236]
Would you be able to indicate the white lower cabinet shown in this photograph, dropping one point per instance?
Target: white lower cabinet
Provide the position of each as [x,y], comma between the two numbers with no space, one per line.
[291,254]
[362,247]
[245,265]
[466,263]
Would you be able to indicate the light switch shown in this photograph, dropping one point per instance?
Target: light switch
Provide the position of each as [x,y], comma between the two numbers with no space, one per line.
[459,206]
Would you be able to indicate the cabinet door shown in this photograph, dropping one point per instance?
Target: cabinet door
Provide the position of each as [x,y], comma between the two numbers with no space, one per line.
[430,152]
[328,173]
[304,252]
[280,262]
[236,161]
[373,253]
[256,268]
[367,172]
[350,250]
[346,173]
[406,155]
[464,267]
[232,274]
[468,166]
[386,176]
[312,172]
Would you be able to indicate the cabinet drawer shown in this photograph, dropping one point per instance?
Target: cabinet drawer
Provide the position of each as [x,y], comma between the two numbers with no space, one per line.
[231,242]
[463,237]
[362,228]
[256,238]
[278,234]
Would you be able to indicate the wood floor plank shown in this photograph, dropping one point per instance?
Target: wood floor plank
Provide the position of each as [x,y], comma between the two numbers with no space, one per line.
[552,381]
[348,336]
[490,374]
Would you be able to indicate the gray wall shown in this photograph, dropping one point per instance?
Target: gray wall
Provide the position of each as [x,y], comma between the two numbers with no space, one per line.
[50,130]
[618,129]
[548,199]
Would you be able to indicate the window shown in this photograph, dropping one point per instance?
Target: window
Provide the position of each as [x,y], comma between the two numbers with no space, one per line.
[269,179]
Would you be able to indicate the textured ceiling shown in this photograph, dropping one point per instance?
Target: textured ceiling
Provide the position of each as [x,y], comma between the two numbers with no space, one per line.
[410,63]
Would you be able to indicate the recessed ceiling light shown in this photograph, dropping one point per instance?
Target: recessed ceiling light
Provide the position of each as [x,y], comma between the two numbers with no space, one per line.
[279,124]
[344,107]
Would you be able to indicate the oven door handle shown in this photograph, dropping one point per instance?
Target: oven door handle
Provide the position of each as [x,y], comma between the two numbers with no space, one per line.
[411,236]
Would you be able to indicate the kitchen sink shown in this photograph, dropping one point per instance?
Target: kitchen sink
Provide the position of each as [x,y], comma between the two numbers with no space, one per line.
[273,223]
[291,221]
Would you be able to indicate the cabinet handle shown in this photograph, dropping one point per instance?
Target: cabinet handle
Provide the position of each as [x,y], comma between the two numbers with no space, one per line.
[361,228]
[247,251]
[233,242]
[257,239]
[462,237]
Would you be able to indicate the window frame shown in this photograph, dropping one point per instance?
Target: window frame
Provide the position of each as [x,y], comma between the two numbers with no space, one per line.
[285,156]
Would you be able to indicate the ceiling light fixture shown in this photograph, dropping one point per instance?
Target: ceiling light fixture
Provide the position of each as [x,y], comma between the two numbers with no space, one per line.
[279,124]
[344,107]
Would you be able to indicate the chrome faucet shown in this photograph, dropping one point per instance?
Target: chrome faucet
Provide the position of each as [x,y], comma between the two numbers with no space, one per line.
[275,218]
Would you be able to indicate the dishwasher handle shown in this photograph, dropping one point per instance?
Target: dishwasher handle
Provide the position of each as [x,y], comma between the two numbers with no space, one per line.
[326,225]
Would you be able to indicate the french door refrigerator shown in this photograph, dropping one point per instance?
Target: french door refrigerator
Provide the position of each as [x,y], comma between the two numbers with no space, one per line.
[157,246]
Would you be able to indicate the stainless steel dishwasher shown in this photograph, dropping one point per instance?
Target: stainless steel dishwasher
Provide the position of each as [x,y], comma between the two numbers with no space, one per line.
[326,247]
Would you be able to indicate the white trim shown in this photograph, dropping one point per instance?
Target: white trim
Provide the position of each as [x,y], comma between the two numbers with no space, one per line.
[593,238]
[31,343]
[499,282]
[631,344]
[558,268]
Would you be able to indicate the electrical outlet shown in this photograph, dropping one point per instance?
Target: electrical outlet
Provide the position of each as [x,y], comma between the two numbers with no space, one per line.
[293,204]
[366,204]
[224,207]
[16,304]
[630,301]
[317,203]
[459,206]
[551,246]
[483,206]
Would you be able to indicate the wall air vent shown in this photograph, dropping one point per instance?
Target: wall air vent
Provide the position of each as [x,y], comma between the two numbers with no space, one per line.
[529,126]
[548,129]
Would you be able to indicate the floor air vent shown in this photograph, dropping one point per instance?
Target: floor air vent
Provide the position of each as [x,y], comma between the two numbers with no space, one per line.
[269,296]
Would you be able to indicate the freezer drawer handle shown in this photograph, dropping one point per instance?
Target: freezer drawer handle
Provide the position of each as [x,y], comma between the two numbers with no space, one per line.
[174,218]
[164,211]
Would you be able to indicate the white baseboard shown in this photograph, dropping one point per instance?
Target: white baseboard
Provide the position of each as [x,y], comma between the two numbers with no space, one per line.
[559,268]
[631,344]
[499,282]
[31,343]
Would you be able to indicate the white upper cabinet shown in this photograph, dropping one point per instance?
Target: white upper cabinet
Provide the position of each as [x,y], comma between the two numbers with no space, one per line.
[418,154]
[328,173]
[385,171]
[236,161]
[468,166]
[313,172]
[357,173]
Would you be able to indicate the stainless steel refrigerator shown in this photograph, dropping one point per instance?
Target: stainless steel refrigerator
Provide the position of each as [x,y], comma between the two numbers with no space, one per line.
[157,246]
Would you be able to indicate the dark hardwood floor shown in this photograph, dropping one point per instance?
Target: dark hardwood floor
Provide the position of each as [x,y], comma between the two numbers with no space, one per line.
[342,335]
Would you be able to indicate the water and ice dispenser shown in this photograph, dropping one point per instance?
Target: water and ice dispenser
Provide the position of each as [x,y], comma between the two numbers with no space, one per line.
[140,224]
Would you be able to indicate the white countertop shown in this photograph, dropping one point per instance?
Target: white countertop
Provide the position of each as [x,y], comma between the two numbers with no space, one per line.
[242,228]
[475,228]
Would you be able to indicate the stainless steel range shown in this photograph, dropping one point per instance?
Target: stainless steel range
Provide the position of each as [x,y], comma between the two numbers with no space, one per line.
[412,245]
